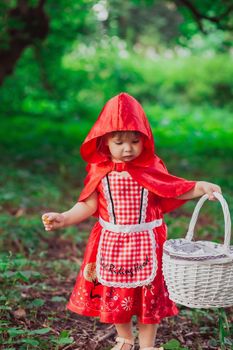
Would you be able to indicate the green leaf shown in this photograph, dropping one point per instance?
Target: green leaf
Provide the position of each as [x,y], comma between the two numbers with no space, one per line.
[58,299]
[30,273]
[172,344]
[36,303]
[63,341]
[4,307]
[21,275]
[64,334]
[222,332]
[13,332]
[40,331]
[30,341]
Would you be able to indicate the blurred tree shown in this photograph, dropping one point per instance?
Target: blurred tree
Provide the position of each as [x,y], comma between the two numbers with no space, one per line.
[22,26]
[51,27]
[218,12]
[167,21]
[48,26]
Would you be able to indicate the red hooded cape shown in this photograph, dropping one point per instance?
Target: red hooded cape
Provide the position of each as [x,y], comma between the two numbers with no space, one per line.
[124,113]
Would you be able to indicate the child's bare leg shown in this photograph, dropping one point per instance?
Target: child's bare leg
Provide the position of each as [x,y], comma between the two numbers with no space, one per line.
[124,330]
[147,334]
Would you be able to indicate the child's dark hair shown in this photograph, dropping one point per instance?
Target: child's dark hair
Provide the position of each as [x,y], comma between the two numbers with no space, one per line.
[124,133]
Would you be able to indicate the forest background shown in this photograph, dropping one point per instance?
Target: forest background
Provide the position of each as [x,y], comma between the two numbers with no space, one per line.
[60,61]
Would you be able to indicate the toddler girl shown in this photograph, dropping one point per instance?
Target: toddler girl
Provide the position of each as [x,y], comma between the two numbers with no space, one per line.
[129,188]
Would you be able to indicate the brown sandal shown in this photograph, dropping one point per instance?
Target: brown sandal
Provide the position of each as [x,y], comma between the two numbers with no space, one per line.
[120,344]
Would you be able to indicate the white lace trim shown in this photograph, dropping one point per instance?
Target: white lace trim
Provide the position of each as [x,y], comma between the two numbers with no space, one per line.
[108,199]
[124,284]
[144,205]
[145,226]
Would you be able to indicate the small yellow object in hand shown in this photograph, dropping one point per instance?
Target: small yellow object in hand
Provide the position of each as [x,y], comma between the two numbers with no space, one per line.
[46,220]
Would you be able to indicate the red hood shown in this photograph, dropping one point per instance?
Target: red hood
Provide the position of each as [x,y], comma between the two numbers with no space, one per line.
[123,112]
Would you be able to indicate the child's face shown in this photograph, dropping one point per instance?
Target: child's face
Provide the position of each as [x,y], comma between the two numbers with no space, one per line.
[125,146]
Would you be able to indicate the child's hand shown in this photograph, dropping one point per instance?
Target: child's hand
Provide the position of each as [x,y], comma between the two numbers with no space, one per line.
[52,221]
[209,188]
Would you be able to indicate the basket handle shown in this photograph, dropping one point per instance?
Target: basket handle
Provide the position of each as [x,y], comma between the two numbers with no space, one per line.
[227,220]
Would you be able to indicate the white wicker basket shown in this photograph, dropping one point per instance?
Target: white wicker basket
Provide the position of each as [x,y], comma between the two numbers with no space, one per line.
[200,274]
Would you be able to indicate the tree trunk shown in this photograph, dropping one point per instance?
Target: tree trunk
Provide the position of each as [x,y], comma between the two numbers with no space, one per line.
[27,25]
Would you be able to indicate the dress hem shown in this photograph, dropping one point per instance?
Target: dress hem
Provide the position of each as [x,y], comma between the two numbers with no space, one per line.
[106,318]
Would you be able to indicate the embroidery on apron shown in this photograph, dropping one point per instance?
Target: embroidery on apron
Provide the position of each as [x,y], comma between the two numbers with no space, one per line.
[126,254]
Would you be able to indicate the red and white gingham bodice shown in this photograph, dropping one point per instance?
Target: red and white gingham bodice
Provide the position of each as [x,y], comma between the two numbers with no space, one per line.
[126,199]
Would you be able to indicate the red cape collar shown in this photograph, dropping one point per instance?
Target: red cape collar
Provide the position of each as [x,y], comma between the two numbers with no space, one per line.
[154,177]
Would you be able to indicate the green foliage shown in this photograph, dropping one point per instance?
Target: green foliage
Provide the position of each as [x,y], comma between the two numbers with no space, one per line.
[173,344]
[104,70]
[17,303]
[185,98]
[225,330]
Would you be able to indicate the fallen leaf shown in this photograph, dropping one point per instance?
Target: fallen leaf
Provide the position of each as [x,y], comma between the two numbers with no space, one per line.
[19,313]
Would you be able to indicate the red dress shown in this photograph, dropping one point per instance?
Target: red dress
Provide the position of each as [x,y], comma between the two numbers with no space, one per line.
[121,273]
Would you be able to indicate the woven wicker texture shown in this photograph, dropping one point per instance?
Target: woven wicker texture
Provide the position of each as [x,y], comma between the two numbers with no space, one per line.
[200,274]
